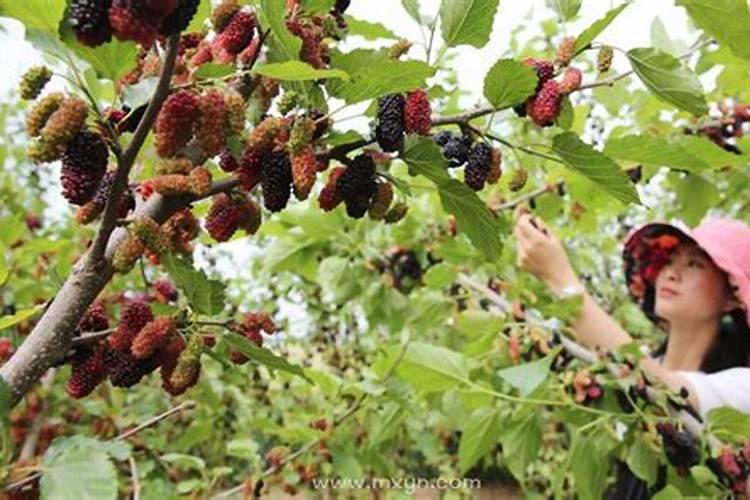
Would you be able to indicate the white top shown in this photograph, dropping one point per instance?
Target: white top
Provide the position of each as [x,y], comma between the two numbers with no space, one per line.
[729,387]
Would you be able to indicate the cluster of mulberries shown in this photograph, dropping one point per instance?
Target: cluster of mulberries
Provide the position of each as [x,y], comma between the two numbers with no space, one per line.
[84,162]
[250,327]
[54,120]
[135,314]
[730,126]
[403,268]
[680,446]
[483,162]
[455,147]
[357,185]
[228,213]
[398,115]
[180,230]
[33,82]
[143,20]
[586,388]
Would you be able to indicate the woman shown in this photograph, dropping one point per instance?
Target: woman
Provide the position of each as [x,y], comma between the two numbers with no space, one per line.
[695,285]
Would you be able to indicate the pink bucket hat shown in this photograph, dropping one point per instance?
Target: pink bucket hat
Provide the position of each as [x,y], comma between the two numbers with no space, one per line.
[647,248]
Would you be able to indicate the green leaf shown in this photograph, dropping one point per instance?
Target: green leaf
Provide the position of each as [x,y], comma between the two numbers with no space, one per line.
[206,296]
[298,71]
[135,96]
[696,195]
[729,424]
[597,167]
[589,462]
[335,278]
[479,437]
[728,21]
[526,377]
[412,8]
[318,5]
[285,46]
[213,70]
[652,150]
[522,440]
[709,152]
[509,82]
[185,461]
[475,322]
[467,22]
[263,356]
[593,31]
[432,368]
[423,157]
[111,60]
[439,275]
[44,15]
[368,30]
[668,493]
[8,321]
[666,78]
[372,74]
[566,9]
[203,13]
[643,461]
[79,467]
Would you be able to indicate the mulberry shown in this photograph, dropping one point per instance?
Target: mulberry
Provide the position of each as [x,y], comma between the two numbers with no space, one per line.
[238,33]
[276,181]
[258,321]
[250,53]
[179,19]
[235,106]
[566,50]
[174,125]
[127,253]
[90,21]
[223,14]
[153,337]
[209,130]
[94,320]
[341,6]
[165,291]
[545,70]
[329,197]
[679,446]
[125,370]
[61,126]
[187,370]
[41,112]
[33,82]
[288,101]
[313,51]
[518,181]
[84,162]
[478,166]
[546,106]
[301,134]
[181,229]
[169,356]
[251,214]
[181,166]
[200,181]
[396,213]
[381,202]
[172,185]
[357,185]
[149,232]
[227,161]
[223,217]
[389,131]
[88,370]
[604,59]
[304,170]
[571,80]
[399,48]
[496,168]
[417,113]
[134,315]
[251,169]
[131,21]
[454,147]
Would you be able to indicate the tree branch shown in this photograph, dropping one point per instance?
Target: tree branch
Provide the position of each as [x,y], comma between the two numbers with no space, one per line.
[127,158]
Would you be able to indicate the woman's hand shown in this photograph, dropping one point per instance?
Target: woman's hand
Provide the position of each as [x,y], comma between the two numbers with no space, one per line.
[542,254]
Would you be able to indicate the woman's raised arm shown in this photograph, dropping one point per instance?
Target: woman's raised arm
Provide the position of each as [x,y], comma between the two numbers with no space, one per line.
[542,254]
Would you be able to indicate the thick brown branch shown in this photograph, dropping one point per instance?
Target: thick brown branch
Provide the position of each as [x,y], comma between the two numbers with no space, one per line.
[127,158]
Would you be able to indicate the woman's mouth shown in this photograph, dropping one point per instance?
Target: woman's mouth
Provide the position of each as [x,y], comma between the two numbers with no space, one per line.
[667,292]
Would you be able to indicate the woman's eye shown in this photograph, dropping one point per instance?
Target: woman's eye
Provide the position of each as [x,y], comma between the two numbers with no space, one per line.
[694,262]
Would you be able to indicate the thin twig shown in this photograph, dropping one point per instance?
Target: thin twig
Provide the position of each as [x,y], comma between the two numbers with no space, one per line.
[531,195]
[92,337]
[134,476]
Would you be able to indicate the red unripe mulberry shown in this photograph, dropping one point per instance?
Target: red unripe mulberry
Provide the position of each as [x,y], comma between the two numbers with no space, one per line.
[133,317]
[88,369]
[304,170]
[238,33]
[168,358]
[546,106]
[174,125]
[329,197]
[571,80]
[417,113]
[94,320]
[223,217]
[128,24]
[209,130]
[153,337]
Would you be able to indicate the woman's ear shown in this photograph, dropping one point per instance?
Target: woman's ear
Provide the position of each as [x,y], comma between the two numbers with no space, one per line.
[732,304]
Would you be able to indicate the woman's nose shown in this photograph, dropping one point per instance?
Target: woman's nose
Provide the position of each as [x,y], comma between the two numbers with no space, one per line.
[671,271]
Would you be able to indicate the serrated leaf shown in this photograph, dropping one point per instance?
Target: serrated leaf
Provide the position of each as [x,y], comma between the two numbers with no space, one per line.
[263,356]
[479,437]
[79,472]
[643,461]
[593,31]
[666,78]
[652,150]
[213,70]
[439,275]
[13,319]
[729,423]
[526,377]
[136,95]
[728,21]
[40,14]
[566,9]
[367,29]
[298,71]
[522,439]
[205,296]
[432,368]
[423,157]
[286,46]
[589,464]
[597,167]
[467,22]
[509,82]
[412,8]
[111,60]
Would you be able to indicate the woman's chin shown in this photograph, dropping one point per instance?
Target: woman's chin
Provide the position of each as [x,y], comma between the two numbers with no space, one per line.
[666,308]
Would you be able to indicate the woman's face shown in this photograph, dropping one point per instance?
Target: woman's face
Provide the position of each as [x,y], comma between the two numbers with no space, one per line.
[690,287]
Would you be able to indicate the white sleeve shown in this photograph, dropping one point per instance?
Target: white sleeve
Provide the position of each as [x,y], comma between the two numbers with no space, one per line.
[729,387]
